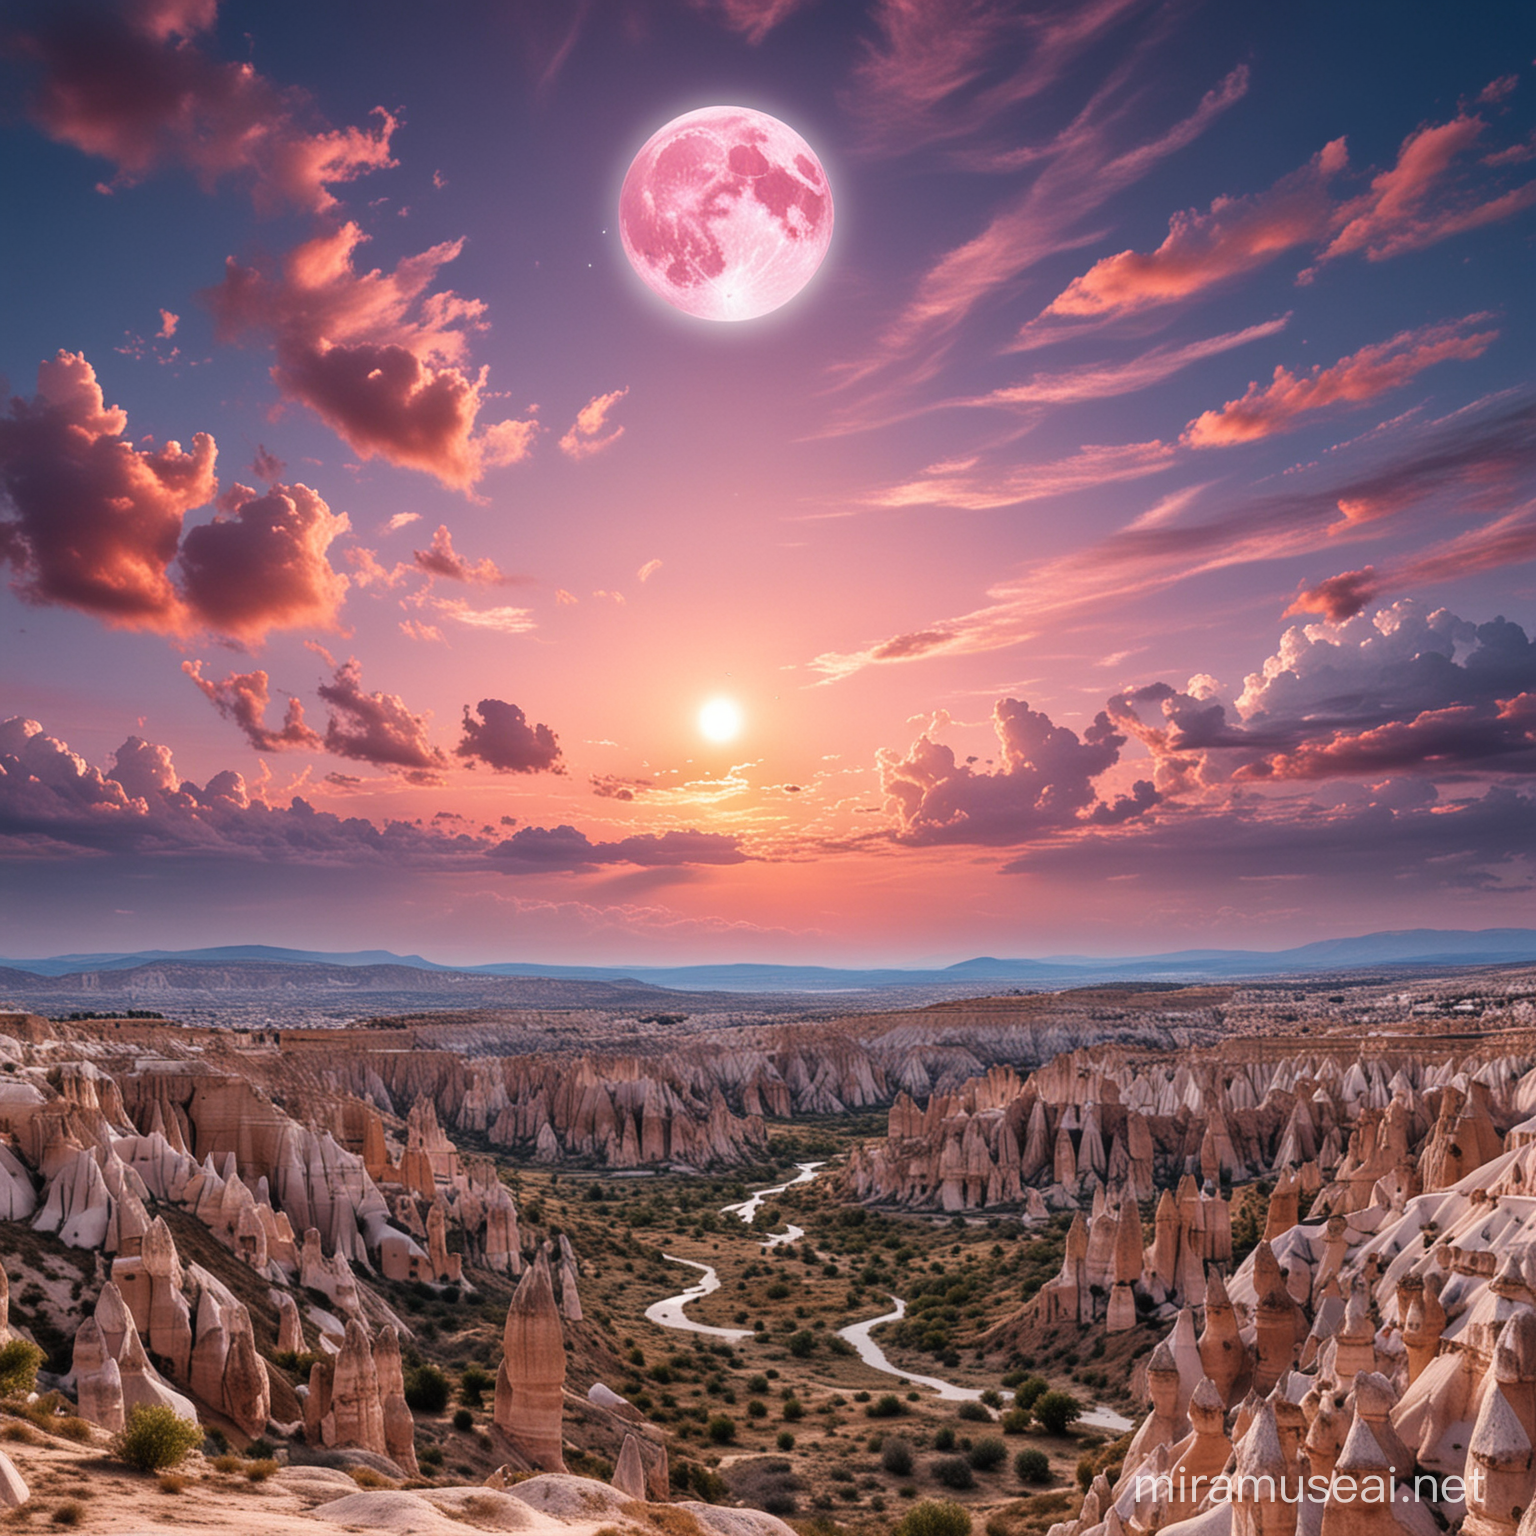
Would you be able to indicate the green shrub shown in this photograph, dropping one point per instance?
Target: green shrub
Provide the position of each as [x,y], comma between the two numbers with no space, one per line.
[793,1409]
[426,1389]
[1015,1421]
[987,1454]
[896,1458]
[19,1360]
[1057,1411]
[944,1439]
[1030,1391]
[975,1413]
[463,1419]
[722,1429]
[802,1344]
[785,1440]
[1032,1466]
[886,1406]
[953,1472]
[155,1438]
[474,1383]
[935,1517]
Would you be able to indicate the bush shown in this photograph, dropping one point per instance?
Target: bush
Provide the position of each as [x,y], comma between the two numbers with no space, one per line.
[935,1517]
[793,1409]
[988,1454]
[1015,1421]
[886,1406]
[785,1442]
[426,1389]
[953,1472]
[944,1439]
[1032,1466]
[474,1383]
[722,1429]
[154,1438]
[896,1458]
[1030,1391]
[19,1360]
[463,1419]
[975,1413]
[802,1344]
[1057,1411]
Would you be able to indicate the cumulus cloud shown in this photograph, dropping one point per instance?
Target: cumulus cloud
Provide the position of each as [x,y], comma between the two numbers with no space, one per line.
[95,522]
[243,697]
[502,739]
[263,565]
[1043,784]
[1354,380]
[378,728]
[590,433]
[1406,690]
[563,848]
[130,83]
[442,559]
[377,356]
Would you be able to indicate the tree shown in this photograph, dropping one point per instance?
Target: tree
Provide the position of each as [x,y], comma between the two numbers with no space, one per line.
[1057,1411]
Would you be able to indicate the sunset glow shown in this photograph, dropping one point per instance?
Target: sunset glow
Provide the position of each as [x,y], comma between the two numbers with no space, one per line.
[1123,541]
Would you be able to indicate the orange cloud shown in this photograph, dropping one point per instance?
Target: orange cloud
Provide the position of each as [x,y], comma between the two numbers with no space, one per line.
[1353,380]
[587,435]
[442,559]
[243,697]
[375,355]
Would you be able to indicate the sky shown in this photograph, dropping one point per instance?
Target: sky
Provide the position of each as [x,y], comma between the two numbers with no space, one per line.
[1123,542]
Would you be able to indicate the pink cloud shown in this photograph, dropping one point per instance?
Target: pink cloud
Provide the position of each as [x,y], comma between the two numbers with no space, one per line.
[1043,783]
[587,434]
[1339,597]
[647,570]
[960,486]
[243,697]
[375,355]
[378,728]
[95,522]
[263,565]
[168,323]
[754,19]
[1418,202]
[132,86]
[502,739]
[502,620]
[1354,380]
[442,559]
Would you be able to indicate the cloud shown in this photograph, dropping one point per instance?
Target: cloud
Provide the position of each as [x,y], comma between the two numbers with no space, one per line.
[1079,172]
[442,559]
[1407,690]
[1103,381]
[401,520]
[95,521]
[1419,202]
[168,323]
[263,565]
[1339,597]
[1354,380]
[243,697]
[266,466]
[610,786]
[1044,784]
[1473,462]
[128,83]
[587,434]
[563,848]
[944,71]
[375,355]
[378,728]
[754,19]
[1426,197]
[505,621]
[1091,466]
[502,739]
[648,570]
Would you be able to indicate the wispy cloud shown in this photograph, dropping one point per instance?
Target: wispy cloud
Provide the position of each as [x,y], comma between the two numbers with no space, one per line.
[590,432]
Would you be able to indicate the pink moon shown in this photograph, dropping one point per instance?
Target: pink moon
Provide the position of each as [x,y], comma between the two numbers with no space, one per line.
[726,213]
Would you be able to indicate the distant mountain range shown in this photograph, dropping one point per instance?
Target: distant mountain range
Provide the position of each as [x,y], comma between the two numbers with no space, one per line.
[1408,947]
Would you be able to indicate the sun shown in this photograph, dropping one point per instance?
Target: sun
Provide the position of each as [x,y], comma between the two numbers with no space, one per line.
[720,720]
